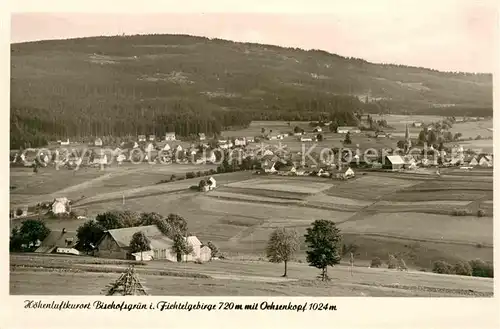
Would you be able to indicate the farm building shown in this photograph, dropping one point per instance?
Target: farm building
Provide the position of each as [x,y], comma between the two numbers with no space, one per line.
[196,244]
[60,206]
[486,161]
[342,173]
[116,243]
[205,254]
[318,129]
[250,140]
[417,124]
[345,130]
[170,136]
[152,138]
[286,170]
[473,162]
[210,184]
[306,139]
[394,162]
[141,138]
[64,143]
[98,142]
[61,242]
[240,142]
[381,134]
[166,147]
[202,137]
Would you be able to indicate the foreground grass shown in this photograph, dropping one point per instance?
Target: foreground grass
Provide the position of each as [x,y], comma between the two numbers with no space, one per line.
[71,275]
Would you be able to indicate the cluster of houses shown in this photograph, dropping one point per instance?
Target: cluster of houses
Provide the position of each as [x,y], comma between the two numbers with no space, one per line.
[115,244]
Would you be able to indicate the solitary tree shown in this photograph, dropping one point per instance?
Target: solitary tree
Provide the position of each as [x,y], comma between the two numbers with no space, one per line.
[281,246]
[347,139]
[88,235]
[213,248]
[33,230]
[139,243]
[324,242]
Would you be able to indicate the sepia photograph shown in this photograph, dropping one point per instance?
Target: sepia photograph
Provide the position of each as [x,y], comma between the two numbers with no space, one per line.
[346,153]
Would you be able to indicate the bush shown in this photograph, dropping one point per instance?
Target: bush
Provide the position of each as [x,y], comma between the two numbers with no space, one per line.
[479,245]
[442,267]
[198,174]
[481,213]
[462,268]
[392,262]
[190,175]
[481,268]
[461,212]
[376,262]
[172,177]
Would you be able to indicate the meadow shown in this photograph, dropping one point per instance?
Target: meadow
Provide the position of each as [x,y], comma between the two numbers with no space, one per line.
[382,212]
[70,275]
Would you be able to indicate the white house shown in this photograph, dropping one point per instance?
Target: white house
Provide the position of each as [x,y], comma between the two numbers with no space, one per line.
[98,142]
[211,157]
[64,143]
[486,161]
[318,129]
[345,130]
[196,245]
[473,162]
[268,166]
[250,139]
[240,142]
[170,136]
[205,254]
[141,138]
[152,138]
[212,183]
[202,137]
[305,139]
[60,206]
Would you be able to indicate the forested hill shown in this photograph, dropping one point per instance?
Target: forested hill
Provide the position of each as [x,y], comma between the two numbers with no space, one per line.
[138,84]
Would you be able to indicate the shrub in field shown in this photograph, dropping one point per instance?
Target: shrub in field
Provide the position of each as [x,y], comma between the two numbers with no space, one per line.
[479,245]
[461,212]
[376,262]
[481,268]
[214,250]
[481,213]
[462,268]
[190,175]
[442,267]
[172,177]
[198,174]
[402,265]
[392,262]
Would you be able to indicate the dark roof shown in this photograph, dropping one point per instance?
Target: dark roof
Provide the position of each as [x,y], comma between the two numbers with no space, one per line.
[122,236]
[58,239]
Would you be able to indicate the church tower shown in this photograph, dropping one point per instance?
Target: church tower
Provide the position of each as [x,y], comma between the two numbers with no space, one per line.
[407,139]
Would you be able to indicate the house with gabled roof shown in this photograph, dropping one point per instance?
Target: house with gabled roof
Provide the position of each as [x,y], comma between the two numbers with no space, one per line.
[170,136]
[61,242]
[342,173]
[201,137]
[116,243]
[394,162]
[141,138]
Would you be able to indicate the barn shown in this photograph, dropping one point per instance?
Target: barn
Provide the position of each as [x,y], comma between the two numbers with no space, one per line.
[116,243]
[394,162]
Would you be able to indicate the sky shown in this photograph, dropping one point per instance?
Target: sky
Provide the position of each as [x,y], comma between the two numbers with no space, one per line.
[447,35]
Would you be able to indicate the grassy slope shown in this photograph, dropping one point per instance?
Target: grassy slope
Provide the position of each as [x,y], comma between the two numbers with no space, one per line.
[217,72]
[240,278]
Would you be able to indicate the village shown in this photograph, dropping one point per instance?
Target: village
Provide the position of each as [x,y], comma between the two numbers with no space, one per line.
[263,155]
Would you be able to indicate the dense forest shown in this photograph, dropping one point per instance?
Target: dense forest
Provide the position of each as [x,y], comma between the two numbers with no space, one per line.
[129,85]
